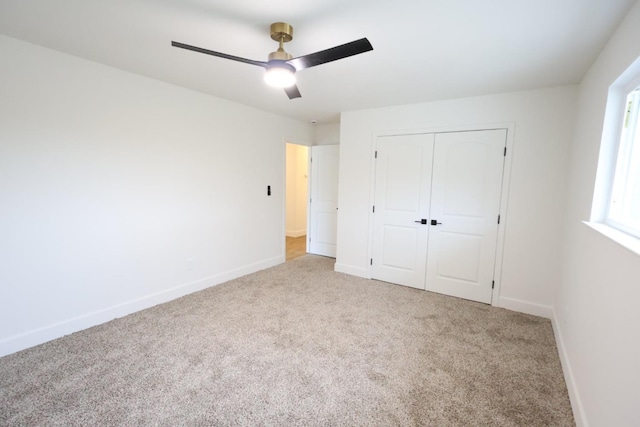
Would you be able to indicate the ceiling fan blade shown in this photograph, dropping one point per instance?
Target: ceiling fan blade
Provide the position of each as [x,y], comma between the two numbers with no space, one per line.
[332,54]
[218,54]
[292,92]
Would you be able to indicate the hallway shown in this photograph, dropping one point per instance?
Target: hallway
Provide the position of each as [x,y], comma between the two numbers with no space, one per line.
[296,247]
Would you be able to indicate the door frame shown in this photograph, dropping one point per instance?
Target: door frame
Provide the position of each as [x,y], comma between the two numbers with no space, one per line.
[504,199]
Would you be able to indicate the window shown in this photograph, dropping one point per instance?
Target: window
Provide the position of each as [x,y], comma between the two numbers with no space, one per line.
[615,209]
[624,202]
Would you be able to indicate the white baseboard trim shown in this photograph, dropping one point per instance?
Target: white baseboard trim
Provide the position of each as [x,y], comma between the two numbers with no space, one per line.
[59,329]
[574,397]
[295,233]
[526,307]
[353,271]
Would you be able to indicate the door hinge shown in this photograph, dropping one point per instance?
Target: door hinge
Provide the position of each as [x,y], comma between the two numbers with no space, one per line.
[310,159]
[374,208]
[493,284]
[376,155]
[498,218]
[505,151]
[628,114]
[371,261]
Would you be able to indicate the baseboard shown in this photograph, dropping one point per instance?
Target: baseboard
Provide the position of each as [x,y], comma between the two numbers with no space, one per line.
[353,271]
[574,397]
[526,307]
[78,323]
[295,233]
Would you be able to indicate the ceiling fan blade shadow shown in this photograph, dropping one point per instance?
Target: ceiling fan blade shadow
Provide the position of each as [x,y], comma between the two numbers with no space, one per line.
[333,54]
[218,54]
[292,92]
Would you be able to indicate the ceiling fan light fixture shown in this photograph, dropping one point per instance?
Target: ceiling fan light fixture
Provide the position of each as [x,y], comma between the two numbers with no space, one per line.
[280,76]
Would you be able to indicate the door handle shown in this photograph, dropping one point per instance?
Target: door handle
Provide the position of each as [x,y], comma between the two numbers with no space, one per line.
[435,222]
[421,221]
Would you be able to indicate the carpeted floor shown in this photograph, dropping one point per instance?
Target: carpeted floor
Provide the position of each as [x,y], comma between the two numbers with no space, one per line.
[297,344]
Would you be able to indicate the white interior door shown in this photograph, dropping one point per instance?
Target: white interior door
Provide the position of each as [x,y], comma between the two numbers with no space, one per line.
[323,205]
[402,183]
[465,203]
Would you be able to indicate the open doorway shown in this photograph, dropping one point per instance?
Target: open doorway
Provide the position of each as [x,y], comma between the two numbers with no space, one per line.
[297,187]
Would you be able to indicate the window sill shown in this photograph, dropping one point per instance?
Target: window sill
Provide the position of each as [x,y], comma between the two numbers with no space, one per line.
[626,241]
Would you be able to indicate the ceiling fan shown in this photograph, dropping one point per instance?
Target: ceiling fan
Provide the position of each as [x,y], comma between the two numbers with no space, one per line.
[281,66]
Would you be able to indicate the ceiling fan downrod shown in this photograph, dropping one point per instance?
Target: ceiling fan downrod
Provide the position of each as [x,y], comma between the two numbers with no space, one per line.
[282,33]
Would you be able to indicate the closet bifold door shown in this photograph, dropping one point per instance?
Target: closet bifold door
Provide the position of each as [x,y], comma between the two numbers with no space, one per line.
[436,207]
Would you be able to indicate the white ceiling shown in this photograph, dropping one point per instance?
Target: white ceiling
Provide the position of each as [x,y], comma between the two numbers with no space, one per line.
[423,49]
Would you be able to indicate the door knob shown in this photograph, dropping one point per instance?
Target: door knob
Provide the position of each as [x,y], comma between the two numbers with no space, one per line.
[421,221]
[435,222]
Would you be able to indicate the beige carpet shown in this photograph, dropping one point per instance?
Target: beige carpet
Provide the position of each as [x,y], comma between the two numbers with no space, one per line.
[297,344]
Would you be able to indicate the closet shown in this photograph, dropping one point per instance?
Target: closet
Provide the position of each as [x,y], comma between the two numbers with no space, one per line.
[436,211]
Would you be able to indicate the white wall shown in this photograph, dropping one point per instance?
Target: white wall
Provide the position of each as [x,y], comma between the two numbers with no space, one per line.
[543,125]
[297,189]
[119,192]
[597,319]
[327,134]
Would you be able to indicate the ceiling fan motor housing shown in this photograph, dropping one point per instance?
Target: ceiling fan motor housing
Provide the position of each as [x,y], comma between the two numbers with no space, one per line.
[280,55]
